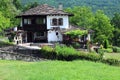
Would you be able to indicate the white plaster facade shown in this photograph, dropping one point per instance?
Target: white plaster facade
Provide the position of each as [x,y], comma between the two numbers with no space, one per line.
[54,36]
[65,21]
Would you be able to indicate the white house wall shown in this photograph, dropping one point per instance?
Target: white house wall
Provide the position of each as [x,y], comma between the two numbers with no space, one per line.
[65,21]
[52,37]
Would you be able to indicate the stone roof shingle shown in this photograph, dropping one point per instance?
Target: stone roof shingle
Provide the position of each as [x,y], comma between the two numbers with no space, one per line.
[43,10]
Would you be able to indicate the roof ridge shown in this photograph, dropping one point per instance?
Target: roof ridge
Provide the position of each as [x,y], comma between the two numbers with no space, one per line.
[43,9]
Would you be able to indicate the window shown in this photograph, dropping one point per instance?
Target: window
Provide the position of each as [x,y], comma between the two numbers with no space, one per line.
[38,34]
[29,21]
[57,22]
[60,21]
[25,21]
[54,22]
[39,21]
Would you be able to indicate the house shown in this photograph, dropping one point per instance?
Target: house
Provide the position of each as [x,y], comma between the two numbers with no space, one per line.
[42,24]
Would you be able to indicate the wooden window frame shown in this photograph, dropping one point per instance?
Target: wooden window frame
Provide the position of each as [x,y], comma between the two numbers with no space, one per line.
[54,22]
[60,21]
[57,22]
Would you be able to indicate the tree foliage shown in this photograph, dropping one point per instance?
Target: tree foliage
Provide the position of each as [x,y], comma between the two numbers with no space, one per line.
[83,16]
[116,23]
[99,22]
[17,4]
[8,11]
[4,22]
[29,5]
[108,6]
[102,27]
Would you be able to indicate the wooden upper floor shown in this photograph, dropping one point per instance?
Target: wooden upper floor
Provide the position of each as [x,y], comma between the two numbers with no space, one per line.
[34,23]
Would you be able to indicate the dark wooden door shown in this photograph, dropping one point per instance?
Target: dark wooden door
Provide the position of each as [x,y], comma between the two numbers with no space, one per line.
[30,36]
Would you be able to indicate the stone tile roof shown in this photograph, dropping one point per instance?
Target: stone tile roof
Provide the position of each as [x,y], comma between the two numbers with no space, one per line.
[43,10]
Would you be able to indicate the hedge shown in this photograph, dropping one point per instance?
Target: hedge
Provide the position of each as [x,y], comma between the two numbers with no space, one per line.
[69,54]
[116,49]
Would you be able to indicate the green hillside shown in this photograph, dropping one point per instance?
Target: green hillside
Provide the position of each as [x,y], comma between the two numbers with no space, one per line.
[108,6]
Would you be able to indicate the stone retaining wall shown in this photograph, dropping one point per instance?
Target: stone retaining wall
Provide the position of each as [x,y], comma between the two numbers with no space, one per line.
[25,55]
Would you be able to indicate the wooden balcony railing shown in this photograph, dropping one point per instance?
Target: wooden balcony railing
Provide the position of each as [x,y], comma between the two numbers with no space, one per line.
[35,27]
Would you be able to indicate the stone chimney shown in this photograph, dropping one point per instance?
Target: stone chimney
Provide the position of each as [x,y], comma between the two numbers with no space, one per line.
[60,7]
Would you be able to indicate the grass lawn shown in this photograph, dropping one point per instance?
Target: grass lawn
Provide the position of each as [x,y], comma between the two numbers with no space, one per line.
[57,70]
[112,55]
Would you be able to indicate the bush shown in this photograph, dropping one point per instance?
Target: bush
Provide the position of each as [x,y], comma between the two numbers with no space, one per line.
[101,52]
[106,44]
[48,52]
[90,56]
[69,54]
[108,50]
[2,44]
[65,53]
[116,49]
[76,45]
[111,61]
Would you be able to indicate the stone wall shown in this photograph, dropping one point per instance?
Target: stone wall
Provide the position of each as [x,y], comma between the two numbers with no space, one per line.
[24,55]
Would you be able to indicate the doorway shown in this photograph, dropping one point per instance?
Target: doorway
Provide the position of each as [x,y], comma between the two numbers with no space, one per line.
[30,36]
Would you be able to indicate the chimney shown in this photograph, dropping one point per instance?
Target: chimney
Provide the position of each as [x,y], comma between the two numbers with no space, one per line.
[60,7]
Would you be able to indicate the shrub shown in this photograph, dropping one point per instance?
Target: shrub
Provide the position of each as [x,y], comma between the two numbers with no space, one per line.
[111,61]
[69,54]
[108,50]
[48,52]
[101,52]
[106,44]
[116,49]
[65,53]
[90,56]
[6,43]
[76,45]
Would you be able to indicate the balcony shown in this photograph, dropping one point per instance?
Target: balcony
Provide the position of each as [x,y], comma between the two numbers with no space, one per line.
[35,27]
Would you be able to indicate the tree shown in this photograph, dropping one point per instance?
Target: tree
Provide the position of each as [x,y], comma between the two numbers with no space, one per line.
[102,27]
[4,22]
[9,11]
[116,23]
[83,16]
[116,20]
[17,4]
[30,5]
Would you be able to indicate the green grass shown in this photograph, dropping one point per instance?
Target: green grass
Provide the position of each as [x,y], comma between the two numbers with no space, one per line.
[57,70]
[112,55]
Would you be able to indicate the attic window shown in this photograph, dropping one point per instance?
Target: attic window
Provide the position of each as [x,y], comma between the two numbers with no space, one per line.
[54,22]
[60,21]
[57,22]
